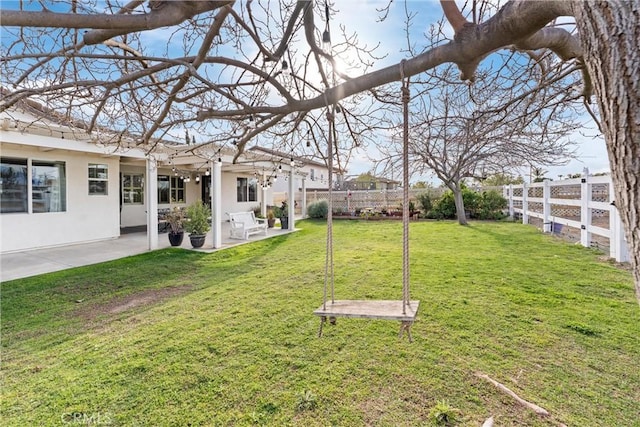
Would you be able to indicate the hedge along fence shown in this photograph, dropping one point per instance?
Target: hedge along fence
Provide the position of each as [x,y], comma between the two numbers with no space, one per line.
[580,206]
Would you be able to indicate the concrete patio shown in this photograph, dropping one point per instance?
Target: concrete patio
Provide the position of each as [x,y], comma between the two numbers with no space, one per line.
[17,265]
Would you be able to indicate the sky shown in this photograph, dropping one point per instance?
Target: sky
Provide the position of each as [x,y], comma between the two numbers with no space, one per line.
[590,147]
[362,17]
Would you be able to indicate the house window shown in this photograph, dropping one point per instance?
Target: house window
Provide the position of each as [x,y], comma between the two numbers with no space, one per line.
[312,174]
[132,189]
[98,179]
[177,190]
[247,191]
[13,185]
[170,189]
[49,187]
[164,189]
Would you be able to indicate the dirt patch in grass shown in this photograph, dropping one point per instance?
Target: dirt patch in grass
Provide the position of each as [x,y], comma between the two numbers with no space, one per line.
[119,305]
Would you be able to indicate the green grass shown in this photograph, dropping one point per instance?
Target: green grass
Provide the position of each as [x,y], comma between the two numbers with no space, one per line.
[233,340]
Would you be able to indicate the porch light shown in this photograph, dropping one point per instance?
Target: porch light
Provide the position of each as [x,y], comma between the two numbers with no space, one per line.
[326,41]
[197,178]
[285,68]
[280,168]
[293,162]
[219,160]
[326,37]
[206,172]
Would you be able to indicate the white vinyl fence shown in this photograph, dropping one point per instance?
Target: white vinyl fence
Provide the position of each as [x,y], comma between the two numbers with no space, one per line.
[578,208]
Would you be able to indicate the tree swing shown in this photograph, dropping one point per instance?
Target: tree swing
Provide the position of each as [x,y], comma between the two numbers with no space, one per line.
[405,310]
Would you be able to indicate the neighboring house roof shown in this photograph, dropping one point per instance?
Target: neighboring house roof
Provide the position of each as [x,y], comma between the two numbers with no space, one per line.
[379,179]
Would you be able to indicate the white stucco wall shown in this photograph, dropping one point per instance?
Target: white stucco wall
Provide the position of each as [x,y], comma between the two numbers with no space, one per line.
[134,215]
[87,217]
[230,197]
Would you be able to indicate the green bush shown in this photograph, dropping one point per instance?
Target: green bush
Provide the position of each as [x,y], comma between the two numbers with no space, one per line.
[318,209]
[444,207]
[487,205]
[199,221]
[424,199]
[491,205]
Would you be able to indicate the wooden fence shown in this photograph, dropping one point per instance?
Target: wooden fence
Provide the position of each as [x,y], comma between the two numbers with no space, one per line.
[581,209]
[351,200]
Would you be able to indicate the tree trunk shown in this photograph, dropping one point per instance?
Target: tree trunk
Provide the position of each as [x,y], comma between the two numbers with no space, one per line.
[457,197]
[610,34]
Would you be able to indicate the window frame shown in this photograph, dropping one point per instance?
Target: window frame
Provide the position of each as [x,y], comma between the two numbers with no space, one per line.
[246,190]
[23,198]
[133,177]
[46,202]
[176,187]
[97,179]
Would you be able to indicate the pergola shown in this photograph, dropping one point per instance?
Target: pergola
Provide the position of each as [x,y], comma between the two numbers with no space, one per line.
[216,160]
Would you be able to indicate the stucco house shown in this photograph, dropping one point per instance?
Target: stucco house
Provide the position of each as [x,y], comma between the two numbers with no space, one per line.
[60,185]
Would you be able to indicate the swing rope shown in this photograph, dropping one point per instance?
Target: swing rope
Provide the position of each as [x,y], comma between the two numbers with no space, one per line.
[328,266]
[406,95]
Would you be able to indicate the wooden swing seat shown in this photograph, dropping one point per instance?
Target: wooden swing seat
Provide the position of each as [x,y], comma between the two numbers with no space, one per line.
[370,309]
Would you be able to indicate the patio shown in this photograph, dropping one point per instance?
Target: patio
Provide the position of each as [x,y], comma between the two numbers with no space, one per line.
[22,264]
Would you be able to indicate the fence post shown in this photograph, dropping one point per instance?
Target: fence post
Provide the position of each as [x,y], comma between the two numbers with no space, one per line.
[617,242]
[525,203]
[511,201]
[547,226]
[585,211]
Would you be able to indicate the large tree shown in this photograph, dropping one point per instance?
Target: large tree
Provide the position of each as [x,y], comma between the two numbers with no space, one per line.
[459,131]
[96,63]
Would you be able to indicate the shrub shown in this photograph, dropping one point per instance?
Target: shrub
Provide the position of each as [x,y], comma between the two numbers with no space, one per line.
[491,205]
[318,209]
[424,199]
[445,206]
[199,219]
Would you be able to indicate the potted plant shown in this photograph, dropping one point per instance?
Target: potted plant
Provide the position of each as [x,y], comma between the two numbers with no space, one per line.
[175,219]
[283,212]
[198,223]
[271,218]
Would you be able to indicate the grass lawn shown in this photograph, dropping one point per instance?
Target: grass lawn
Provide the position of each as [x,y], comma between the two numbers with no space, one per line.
[177,338]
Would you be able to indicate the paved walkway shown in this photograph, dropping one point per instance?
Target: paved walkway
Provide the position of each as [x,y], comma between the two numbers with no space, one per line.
[17,265]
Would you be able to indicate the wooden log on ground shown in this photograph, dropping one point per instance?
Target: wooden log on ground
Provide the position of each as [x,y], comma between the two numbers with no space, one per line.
[535,408]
